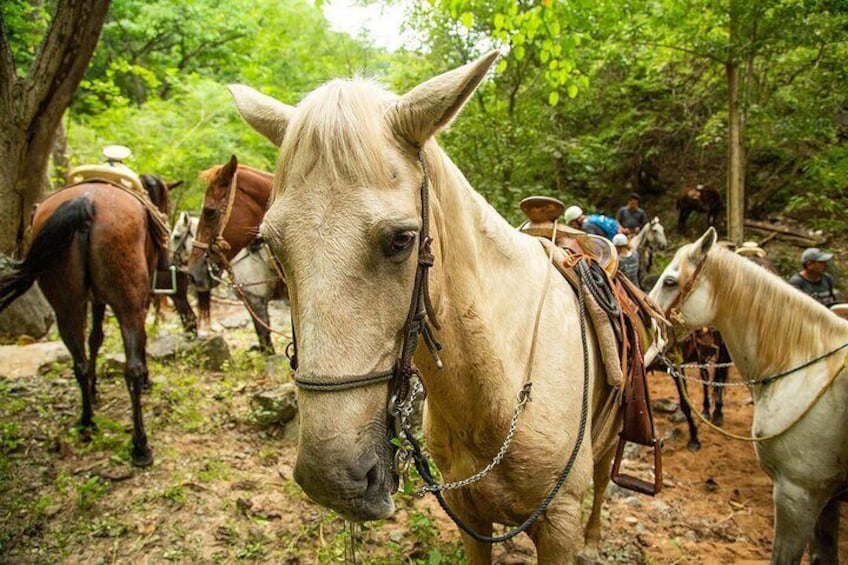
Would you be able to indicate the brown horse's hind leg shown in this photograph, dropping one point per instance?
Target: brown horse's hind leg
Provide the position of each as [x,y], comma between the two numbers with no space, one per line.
[136,378]
[95,340]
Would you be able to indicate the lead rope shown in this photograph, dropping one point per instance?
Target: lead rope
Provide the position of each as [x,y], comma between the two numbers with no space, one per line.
[423,466]
[672,370]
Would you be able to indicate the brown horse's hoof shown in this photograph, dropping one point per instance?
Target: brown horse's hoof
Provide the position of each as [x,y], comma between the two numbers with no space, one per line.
[694,446]
[85,431]
[142,458]
[718,419]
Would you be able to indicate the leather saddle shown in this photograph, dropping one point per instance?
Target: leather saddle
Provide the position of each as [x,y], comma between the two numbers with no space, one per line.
[630,323]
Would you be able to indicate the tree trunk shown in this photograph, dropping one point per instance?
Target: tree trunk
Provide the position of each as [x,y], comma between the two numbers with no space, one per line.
[31,108]
[735,149]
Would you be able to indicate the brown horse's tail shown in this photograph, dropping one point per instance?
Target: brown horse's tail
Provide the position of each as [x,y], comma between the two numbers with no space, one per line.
[52,242]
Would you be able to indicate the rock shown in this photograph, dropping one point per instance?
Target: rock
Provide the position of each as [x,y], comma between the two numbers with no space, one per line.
[277,367]
[27,360]
[631,520]
[234,322]
[285,472]
[29,314]
[275,406]
[632,501]
[664,405]
[213,350]
[216,352]
[660,506]
[113,364]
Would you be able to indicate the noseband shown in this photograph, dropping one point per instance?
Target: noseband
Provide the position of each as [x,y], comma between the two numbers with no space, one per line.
[420,311]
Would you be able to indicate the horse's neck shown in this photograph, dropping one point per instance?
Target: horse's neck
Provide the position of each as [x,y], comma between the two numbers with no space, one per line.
[486,287]
[767,327]
[639,238]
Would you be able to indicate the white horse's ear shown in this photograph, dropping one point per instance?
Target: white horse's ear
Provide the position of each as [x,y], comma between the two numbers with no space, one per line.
[423,111]
[701,247]
[266,115]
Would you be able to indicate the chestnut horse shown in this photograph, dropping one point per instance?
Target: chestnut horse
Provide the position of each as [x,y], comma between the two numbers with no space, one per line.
[360,185]
[96,243]
[233,206]
[704,199]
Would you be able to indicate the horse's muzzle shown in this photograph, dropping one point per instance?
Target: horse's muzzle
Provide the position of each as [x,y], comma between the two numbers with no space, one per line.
[360,490]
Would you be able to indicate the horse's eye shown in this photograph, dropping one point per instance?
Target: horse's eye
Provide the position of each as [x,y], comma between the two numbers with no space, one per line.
[398,245]
[210,214]
[669,282]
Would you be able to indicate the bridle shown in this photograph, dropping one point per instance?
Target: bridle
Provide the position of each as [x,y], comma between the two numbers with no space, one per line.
[419,319]
[219,246]
[673,312]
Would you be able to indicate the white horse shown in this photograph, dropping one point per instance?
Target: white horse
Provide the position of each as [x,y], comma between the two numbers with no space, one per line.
[644,243]
[251,269]
[771,328]
[346,221]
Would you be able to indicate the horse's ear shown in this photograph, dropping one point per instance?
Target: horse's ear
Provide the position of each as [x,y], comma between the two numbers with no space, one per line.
[173,184]
[430,106]
[225,175]
[701,247]
[266,115]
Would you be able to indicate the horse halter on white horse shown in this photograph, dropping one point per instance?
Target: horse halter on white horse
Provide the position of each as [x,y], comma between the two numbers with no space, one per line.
[420,311]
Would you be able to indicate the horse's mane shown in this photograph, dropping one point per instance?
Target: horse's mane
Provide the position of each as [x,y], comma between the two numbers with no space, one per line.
[778,309]
[212,172]
[335,126]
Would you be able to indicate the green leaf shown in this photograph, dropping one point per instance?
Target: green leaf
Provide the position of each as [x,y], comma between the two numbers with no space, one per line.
[572,91]
[502,65]
[499,21]
[467,19]
[553,98]
[518,53]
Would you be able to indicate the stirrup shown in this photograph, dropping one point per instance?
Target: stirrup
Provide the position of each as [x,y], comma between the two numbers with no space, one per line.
[166,291]
[634,483]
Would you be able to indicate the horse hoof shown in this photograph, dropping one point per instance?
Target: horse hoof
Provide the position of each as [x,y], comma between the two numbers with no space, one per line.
[142,458]
[718,419]
[588,556]
[694,446]
[85,431]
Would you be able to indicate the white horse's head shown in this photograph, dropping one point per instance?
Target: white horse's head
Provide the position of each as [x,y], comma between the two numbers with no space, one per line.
[679,291]
[656,234]
[182,235]
[345,225]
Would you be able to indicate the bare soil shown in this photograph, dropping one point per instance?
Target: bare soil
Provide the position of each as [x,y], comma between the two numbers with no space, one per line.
[220,490]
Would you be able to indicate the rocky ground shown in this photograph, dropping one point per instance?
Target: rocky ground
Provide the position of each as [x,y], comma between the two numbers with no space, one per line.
[221,490]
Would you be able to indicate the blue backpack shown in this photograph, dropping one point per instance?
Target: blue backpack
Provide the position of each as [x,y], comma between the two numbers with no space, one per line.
[609,225]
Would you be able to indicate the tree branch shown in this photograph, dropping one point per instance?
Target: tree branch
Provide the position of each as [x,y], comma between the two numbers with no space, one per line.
[693,52]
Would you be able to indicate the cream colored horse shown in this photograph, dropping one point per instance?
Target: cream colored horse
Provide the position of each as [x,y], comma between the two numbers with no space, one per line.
[345,221]
[770,328]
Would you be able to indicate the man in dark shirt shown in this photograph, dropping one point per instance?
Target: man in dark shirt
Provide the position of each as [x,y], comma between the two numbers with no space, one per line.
[812,278]
[631,217]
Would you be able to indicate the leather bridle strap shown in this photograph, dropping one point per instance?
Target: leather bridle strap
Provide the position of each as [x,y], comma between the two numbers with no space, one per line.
[219,245]
[672,312]
[420,309]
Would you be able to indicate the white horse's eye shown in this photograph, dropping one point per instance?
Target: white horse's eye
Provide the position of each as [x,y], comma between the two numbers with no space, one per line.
[669,282]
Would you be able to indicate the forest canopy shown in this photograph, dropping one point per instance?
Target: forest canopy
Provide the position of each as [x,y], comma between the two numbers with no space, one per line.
[590,101]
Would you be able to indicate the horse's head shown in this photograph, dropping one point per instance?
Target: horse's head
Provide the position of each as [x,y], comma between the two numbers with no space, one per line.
[182,236]
[210,247]
[680,292]
[159,191]
[345,224]
[656,234]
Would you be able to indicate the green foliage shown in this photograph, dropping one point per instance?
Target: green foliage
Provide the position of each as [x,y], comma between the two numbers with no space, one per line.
[25,24]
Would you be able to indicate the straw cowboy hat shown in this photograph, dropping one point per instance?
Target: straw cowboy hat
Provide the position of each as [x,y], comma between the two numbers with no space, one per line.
[750,249]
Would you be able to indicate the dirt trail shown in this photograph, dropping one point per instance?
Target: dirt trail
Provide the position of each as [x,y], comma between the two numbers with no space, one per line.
[221,488]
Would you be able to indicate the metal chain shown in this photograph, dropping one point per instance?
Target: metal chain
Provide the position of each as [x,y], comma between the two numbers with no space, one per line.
[675,370]
[523,397]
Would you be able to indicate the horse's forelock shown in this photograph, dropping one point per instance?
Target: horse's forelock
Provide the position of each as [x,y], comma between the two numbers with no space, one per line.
[339,128]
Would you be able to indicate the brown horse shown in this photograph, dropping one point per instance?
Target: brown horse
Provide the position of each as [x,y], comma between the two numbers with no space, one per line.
[235,202]
[94,242]
[704,199]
